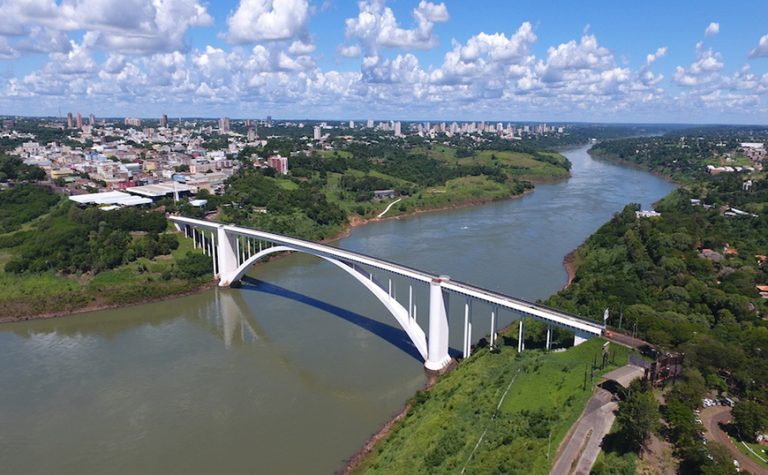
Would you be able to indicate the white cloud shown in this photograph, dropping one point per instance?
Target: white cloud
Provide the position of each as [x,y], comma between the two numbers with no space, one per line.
[704,70]
[301,48]
[376,27]
[712,29]
[134,26]
[352,51]
[267,20]
[761,51]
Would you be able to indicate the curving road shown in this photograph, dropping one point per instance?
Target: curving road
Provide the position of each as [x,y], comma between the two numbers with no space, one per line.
[386,210]
[711,418]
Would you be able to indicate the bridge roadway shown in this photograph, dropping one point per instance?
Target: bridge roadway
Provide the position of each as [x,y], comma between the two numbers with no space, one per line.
[231,261]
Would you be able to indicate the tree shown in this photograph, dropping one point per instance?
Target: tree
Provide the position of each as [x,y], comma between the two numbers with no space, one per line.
[194,265]
[638,416]
[749,418]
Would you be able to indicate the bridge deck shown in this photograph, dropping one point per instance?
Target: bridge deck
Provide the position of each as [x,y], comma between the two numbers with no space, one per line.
[538,311]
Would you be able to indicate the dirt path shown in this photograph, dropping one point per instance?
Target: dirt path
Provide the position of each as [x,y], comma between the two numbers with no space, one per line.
[582,446]
[712,417]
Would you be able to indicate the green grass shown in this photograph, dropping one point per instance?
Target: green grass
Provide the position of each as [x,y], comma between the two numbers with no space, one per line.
[439,433]
[521,165]
[286,184]
[331,153]
[755,447]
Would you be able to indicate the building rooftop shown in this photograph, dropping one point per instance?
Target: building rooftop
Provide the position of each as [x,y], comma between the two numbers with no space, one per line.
[160,189]
[110,198]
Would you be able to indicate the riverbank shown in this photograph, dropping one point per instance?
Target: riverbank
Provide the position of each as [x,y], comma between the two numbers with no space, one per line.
[571,266]
[611,158]
[74,301]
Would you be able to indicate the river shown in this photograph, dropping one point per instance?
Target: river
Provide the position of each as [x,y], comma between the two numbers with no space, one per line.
[292,374]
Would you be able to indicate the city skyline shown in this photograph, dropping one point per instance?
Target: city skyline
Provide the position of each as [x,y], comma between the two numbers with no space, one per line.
[387,60]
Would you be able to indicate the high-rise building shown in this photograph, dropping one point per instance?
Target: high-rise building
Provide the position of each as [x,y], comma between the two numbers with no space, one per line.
[79,121]
[164,120]
[224,125]
[398,132]
[70,120]
[252,135]
[351,124]
[318,133]
[279,163]
[370,123]
[91,119]
[132,121]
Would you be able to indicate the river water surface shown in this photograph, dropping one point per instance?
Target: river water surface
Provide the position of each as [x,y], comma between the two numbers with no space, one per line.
[293,373]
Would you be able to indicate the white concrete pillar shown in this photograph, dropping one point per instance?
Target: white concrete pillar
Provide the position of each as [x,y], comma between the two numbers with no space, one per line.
[410,302]
[467,328]
[521,336]
[549,337]
[437,355]
[494,316]
[227,249]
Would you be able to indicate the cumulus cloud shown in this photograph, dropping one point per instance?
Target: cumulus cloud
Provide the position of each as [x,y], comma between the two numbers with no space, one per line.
[647,77]
[712,29]
[704,70]
[267,20]
[376,27]
[352,51]
[761,51]
[134,26]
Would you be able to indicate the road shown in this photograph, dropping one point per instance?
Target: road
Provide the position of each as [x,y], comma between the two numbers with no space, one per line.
[386,210]
[582,445]
[711,418]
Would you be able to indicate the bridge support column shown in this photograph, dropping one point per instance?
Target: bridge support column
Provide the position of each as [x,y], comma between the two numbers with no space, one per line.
[521,336]
[549,337]
[437,355]
[578,339]
[467,328]
[494,318]
[227,257]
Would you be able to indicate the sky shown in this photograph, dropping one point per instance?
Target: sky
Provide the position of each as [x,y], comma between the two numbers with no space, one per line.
[646,61]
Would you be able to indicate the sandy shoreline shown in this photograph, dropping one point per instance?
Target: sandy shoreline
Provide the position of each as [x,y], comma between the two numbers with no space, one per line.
[569,263]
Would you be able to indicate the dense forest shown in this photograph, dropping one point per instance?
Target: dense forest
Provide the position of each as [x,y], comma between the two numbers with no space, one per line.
[72,240]
[686,281]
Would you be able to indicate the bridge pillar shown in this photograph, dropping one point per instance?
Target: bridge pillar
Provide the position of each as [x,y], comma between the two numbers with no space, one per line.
[521,336]
[227,257]
[494,317]
[437,354]
[549,337]
[467,328]
[578,339]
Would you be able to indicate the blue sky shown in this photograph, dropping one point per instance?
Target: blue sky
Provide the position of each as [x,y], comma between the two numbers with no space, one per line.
[607,61]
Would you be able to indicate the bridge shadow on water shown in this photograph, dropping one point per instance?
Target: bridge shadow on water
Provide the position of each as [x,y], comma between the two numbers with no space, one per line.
[392,334]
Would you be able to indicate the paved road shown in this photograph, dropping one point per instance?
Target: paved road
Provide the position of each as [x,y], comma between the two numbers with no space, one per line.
[582,445]
[711,418]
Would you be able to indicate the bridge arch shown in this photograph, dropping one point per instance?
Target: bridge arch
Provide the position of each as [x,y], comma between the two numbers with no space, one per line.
[409,325]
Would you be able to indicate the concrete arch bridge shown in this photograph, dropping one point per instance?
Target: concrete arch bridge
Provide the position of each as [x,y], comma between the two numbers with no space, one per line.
[234,249]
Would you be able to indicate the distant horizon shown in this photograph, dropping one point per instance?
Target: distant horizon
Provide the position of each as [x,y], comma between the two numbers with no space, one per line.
[360,123]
